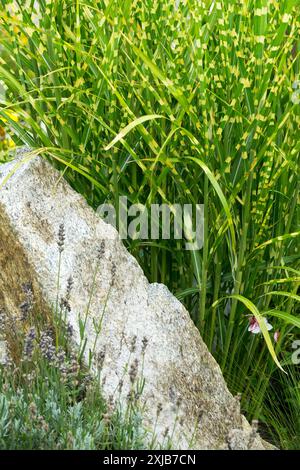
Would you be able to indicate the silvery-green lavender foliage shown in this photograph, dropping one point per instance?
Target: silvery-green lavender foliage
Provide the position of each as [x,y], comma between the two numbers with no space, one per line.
[49,399]
[41,411]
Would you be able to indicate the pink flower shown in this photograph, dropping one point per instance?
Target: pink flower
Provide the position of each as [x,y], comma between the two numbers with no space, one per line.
[254,327]
[276,336]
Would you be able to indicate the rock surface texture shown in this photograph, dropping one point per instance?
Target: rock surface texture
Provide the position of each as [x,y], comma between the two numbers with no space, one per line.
[143,326]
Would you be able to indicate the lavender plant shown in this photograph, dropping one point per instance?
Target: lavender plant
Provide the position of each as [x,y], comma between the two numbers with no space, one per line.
[50,400]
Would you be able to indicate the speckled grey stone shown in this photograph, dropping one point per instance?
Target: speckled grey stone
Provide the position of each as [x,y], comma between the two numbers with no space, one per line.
[177,366]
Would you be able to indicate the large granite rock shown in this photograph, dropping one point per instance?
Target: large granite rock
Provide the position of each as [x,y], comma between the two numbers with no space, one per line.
[144,328]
